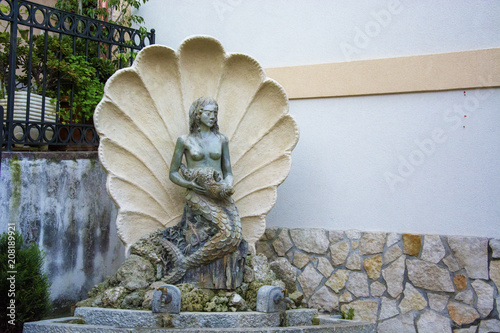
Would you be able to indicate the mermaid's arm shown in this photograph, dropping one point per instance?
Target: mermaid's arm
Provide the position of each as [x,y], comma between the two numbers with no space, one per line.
[226,163]
[175,165]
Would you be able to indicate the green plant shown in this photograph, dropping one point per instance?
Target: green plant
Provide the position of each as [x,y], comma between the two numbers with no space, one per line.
[22,279]
[72,71]
[5,49]
[122,15]
[69,76]
[121,8]
[349,314]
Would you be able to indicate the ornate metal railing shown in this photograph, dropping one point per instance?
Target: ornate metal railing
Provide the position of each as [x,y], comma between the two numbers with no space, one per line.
[39,101]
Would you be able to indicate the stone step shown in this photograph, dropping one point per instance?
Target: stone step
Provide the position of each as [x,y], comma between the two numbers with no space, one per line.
[136,318]
[93,320]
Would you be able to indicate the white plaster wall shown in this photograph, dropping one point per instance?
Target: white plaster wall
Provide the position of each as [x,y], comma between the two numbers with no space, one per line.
[401,164]
[298,32]
[349,146]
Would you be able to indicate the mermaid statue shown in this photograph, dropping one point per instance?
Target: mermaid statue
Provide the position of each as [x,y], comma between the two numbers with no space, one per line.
[210,228]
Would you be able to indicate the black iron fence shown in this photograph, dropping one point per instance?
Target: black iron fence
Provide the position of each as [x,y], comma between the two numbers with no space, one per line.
[53,67]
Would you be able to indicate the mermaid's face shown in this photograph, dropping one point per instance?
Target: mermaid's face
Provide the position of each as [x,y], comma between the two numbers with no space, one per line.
[208,115]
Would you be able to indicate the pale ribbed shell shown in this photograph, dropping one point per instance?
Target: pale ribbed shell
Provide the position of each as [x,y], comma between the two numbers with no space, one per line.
[145,109]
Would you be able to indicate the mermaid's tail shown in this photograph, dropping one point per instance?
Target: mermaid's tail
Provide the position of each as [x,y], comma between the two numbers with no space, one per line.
[216,207]
[179,268]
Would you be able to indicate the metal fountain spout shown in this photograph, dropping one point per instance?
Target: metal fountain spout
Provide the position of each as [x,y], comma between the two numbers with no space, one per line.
[282,297]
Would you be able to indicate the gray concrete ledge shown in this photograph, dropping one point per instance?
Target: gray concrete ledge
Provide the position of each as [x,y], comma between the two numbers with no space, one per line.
[113,320]
[135,318]
[54,155]
[61,325]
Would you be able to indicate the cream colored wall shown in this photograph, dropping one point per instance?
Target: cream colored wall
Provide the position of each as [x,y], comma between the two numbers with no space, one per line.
[436,72]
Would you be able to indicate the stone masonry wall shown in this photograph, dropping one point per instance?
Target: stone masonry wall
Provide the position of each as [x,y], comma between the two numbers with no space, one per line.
[403,282]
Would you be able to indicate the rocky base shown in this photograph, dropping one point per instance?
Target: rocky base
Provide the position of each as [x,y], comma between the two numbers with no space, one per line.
[134,283]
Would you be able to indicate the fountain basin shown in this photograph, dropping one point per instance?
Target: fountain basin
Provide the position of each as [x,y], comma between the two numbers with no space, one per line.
[93,320]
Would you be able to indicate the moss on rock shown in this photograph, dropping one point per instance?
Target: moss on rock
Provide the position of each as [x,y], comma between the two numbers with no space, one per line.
[194,299]
[217,304]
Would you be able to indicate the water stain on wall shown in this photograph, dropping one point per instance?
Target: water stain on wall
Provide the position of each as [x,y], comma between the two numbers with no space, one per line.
[59,201]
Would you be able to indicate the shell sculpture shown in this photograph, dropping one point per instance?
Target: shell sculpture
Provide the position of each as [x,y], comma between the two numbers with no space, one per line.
[145,109]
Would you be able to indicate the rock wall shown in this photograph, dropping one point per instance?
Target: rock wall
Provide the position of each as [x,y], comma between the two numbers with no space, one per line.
[402,282]
[59,201]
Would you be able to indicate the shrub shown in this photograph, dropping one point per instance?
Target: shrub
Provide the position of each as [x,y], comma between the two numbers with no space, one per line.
[32,289]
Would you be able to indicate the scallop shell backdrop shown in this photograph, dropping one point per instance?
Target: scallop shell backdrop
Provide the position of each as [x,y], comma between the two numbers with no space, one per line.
[145,109]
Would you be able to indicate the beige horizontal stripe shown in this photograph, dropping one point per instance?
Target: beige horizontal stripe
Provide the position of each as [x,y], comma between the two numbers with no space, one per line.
[435,72]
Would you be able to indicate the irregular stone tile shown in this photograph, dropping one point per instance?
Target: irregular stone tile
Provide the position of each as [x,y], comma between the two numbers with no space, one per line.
[412,300]
[484,294]
[335,236]
[285,272]
[451,263]
[460,282]
[339,252]
[431,322]
[495,248]
[462,314]
[283,243]
[264,248]
[471,329]
[412,244]
[400,324]
[466,297]
[354,244]
[358,284]
[495,273]
[300,259]
[270,233]
[488,326]
[324,267]
[437,302]
[393,276]
[353,262]
[377,289]
[372,266]
[433,250]
[472,254]
[353,234]
[364,310]
[392,238]
[392,253]
[388,308]
[372,243]
[324,300]
[310,240]
[309,280]
[338,280]
[346,297]
[429,276]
